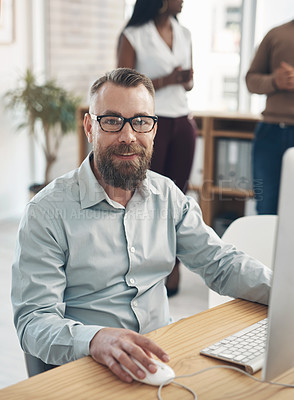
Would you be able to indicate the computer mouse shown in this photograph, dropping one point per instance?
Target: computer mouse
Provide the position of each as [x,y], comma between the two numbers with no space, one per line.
[164,373]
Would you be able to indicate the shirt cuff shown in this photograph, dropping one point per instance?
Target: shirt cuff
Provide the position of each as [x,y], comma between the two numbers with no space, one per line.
[82,337]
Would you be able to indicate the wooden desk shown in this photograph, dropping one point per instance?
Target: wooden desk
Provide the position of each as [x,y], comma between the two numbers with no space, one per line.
[86,380]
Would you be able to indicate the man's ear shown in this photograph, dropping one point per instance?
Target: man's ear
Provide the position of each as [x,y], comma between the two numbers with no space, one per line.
[88,127]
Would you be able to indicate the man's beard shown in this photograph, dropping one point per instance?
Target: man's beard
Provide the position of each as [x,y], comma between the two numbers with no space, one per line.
[124,174]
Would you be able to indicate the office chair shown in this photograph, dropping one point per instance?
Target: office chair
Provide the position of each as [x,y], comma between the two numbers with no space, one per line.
[255,235]
[35,366]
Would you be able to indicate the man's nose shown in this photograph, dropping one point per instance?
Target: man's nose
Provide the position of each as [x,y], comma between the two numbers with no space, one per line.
[127,134]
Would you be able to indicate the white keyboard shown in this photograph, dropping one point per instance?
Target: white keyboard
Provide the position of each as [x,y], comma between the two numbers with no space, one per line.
[246,347]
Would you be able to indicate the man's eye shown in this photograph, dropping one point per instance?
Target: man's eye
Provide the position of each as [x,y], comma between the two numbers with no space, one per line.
[139,122]
[112,121]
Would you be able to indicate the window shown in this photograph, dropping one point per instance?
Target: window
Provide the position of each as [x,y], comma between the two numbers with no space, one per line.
[216,33]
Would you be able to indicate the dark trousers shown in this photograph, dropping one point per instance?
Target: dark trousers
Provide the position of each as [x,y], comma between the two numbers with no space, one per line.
[174,149]
[269,145]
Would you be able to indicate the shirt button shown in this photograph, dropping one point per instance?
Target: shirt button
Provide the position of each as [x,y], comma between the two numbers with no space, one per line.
[132,249]
[135,303]
[132,281]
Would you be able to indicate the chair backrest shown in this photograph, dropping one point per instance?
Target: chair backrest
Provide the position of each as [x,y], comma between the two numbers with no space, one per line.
[255,235]
[35,366]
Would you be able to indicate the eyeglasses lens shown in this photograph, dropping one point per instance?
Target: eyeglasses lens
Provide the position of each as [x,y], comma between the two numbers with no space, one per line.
[115,123]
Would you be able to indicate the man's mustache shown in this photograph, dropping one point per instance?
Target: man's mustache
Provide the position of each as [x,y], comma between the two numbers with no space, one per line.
[126,148]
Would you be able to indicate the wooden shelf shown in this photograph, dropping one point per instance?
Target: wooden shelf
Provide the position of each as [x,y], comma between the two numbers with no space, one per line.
[232,192]
[233,134]
[216,200]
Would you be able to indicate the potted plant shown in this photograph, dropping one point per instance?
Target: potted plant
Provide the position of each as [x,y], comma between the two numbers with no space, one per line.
[50,105]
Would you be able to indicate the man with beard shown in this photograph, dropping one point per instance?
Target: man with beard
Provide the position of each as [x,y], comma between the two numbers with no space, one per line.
[95,246]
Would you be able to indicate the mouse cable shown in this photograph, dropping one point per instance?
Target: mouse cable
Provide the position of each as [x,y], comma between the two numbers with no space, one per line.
[286,385]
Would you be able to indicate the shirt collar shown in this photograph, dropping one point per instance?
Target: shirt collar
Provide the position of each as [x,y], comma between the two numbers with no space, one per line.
[148,187]
[91,192]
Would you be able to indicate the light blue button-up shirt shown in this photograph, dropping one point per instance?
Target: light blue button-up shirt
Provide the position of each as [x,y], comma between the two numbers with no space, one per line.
[83,262]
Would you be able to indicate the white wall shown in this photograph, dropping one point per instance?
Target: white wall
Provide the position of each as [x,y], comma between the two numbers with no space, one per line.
[271,13]
[82,38]
[87,30]
[198,17]
[14,147]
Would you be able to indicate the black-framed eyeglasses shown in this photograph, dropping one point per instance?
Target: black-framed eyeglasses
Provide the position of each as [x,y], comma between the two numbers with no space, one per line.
[115,123]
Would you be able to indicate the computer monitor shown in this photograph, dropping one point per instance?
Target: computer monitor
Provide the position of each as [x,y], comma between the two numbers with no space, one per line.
[280,348]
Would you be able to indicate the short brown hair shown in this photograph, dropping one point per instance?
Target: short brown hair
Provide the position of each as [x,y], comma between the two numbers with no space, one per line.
[125,77]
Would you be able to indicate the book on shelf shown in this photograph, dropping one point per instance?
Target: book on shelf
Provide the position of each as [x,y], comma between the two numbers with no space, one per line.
[233,164]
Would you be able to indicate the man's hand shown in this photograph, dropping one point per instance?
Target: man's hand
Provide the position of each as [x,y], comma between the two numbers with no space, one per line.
[114,346]
[284,77]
